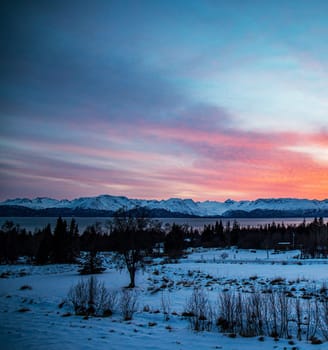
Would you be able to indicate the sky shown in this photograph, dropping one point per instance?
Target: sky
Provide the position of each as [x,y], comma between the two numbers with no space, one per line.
[204,99]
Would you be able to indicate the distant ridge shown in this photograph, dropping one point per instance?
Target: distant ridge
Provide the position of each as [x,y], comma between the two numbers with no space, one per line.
[106,205]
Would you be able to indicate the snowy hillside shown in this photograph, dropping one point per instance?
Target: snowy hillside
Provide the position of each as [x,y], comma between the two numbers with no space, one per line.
[33,314]
[184,206]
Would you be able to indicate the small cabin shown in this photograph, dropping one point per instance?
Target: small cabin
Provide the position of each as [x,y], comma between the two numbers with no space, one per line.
[282,246]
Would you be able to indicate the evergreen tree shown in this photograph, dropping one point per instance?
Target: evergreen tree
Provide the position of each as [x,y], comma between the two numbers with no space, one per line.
[174,241]
[219,233]
[93,264]
[45,247]
[208,234]
[73,240]
[63,242]
[234,234]
[10,240]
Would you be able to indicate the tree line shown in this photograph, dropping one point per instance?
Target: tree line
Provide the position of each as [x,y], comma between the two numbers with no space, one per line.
[137,237]
[310,238]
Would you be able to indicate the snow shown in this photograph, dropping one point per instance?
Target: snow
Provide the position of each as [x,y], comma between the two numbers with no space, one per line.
[44,325]
[185,206]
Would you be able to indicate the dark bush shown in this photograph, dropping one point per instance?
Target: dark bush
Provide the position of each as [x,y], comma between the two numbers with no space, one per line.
[91,298]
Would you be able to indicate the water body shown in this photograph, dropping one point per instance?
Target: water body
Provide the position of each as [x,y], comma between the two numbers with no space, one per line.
[33,223]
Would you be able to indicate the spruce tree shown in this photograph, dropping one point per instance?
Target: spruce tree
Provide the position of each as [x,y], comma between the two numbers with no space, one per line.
[45,247]
[92,264]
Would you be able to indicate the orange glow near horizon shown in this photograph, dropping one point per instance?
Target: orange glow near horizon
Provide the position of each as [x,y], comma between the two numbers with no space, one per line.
[183,162]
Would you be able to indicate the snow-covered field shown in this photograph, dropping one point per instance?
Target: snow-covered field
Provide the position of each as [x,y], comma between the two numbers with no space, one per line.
[30,316]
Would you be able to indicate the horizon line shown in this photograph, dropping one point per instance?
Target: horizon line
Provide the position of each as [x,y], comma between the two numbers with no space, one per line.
[165,199]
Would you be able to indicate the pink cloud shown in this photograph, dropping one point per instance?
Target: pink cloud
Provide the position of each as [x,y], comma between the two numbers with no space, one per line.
[169,159]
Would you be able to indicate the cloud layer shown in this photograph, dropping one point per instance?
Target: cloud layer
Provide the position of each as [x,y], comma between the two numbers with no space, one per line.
[161,100]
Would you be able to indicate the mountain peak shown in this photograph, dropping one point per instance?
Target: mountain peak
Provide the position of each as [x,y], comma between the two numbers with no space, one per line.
[177,205]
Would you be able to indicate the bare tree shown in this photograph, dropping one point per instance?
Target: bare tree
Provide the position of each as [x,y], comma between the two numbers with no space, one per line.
[132,239]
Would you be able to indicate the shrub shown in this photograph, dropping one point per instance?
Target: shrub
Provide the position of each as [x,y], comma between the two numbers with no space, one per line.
[91,298]
[166,305]
[199,310]
[24,309]
[275,314]
[324,318]
[128,303]
[25,287]
[277,281]
[315,341]
[227,311]
[224,255]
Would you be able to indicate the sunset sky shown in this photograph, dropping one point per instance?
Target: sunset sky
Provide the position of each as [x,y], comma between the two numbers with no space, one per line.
[156,99]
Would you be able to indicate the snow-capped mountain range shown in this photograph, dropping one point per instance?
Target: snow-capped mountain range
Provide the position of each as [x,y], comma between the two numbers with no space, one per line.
[183,206]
